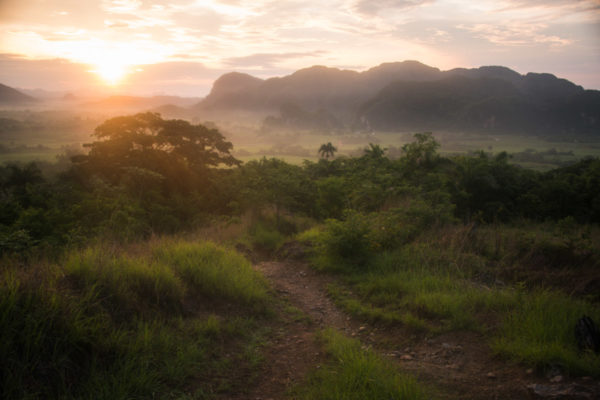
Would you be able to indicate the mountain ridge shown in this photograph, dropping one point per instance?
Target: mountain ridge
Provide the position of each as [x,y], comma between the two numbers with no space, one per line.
[9,95]
[409,95]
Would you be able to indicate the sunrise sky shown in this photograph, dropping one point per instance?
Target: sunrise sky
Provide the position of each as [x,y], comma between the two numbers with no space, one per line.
[181,46]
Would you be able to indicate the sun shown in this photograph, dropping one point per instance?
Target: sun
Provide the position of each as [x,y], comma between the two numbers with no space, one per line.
[111,72]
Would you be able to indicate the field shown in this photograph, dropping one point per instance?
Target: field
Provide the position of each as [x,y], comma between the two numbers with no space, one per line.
[44,135]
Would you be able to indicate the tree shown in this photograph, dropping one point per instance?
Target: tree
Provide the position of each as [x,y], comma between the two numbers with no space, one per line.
[423,151]
[374,152]
[327,150]
[175,150]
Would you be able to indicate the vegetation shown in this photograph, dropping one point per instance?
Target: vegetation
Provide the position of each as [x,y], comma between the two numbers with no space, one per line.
[107,324]
[355,373]
[447,278]
[93,304]
[327,150]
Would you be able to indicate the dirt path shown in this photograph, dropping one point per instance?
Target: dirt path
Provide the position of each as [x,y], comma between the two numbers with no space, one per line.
[455,365]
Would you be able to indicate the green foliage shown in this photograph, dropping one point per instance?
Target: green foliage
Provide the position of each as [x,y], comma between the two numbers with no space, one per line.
[127,286]
[118,326]
[144,144]
[347,241]
[421,152]
[333,193]
[265,237]
[354,373]
[327,150]
[356,239]
[446,281]
[274,183]
[413,286]
[540,332]
[215,273]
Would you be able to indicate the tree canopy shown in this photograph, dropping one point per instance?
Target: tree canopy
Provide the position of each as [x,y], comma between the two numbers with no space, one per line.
[327,150]
[151,148]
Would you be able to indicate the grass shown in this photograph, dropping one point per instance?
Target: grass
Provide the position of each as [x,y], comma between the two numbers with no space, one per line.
[355,373]
[215,272]
[408,286]
[540,332]
[174,320]
[446,279]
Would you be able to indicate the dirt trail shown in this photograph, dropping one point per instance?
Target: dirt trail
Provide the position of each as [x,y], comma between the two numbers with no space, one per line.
[456,365]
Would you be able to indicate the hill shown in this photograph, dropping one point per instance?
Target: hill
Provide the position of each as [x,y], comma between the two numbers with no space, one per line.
[410,95]
[9,95]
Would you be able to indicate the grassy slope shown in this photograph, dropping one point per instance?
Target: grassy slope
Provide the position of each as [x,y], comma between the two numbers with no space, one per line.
[174,319]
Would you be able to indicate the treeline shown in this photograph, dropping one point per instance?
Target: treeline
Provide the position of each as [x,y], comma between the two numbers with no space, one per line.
[145,175]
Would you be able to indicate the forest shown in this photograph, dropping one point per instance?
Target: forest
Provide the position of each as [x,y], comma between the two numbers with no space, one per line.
[102,296]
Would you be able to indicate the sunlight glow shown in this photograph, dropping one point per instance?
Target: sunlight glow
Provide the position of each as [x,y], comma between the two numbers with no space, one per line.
[111,73]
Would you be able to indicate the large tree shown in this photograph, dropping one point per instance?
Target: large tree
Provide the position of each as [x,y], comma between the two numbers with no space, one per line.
[145,147]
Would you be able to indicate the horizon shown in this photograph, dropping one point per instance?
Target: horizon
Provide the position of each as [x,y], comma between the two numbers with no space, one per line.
[119,91]
[145,48]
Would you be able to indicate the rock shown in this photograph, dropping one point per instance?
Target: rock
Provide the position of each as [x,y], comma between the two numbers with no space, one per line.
[406,357]
[587,335]
[563,392]
[491,375]
[362,328]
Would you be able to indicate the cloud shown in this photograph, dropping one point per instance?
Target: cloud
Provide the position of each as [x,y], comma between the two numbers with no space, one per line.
[574,4]
[179,77]
[51,74]
[269,60]
[373,7]
[515,34]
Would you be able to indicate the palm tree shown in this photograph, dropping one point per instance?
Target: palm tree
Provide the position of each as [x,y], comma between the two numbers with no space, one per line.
[327,150]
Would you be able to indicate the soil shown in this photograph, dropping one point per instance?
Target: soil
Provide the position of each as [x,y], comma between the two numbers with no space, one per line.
[456,365]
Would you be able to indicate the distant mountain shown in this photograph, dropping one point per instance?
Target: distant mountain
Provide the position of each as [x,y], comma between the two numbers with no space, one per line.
[313,88]
[9,95]
[412,96]
[486,100]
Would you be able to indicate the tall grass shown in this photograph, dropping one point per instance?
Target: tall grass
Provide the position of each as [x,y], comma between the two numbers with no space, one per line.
[446,279]
[107,324]
[355,373]
[126,284]
[540,332]
[214,272]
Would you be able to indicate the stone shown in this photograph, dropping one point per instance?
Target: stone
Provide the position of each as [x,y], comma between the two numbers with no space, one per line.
[491,375]
[562,392]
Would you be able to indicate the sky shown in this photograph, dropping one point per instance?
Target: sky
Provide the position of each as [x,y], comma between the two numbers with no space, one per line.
[179,47]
